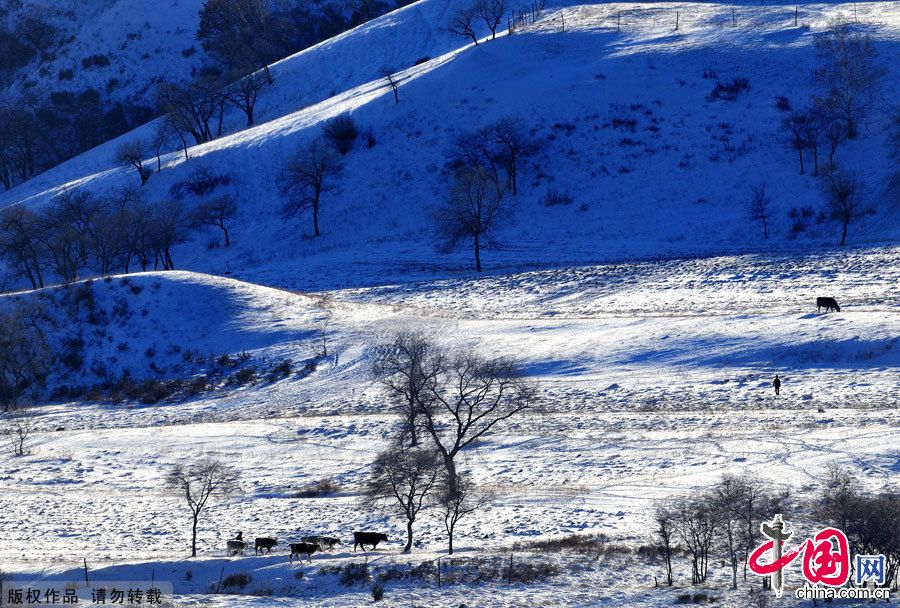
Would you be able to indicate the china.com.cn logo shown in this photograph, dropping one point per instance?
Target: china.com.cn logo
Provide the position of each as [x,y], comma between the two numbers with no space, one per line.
[826,560]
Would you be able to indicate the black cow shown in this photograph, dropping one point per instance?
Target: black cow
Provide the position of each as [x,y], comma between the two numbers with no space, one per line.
[264,542]
[827,304]
[322,541]
[303,548]
[362,539]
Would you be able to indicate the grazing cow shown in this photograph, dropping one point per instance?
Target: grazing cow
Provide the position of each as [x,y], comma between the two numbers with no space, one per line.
[304,548]
[236,547]
[362,539]
[827,304]
[264,542]
[322,541]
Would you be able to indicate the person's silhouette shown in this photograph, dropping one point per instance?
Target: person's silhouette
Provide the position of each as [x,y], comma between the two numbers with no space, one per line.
[777,384]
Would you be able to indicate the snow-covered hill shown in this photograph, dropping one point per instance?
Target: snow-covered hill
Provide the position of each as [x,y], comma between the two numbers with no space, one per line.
[142,43]
[652,165]
[654,373]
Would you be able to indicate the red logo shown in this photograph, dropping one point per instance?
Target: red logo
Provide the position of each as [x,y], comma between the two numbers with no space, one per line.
[826,556]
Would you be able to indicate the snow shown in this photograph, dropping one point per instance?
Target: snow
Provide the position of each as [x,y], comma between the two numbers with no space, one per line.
[651,313]
[678,185]
[144,41]
[641,403]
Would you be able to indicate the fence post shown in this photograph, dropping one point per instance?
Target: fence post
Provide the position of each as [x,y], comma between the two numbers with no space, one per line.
[439,573]
[563,15]
[86,582]
[796,14]
[509,575]
[676,20]
[733,19]
[619,21]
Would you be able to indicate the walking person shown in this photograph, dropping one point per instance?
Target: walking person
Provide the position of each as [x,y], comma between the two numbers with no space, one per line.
[777,384]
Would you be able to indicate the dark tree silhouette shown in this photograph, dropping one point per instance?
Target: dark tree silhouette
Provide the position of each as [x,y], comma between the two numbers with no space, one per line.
[197,484]
[216,212]
[306,177]
[845,199]
[406,479]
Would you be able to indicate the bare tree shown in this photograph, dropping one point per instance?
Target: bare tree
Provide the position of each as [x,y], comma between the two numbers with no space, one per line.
[24,355]
[848,78]
[245,91]
[471,212]
[407,368]
[479,150]
[306,177]
[388,74]
[235,31]
[405,478]
[665,531]
[814,130]
[131,154]
[696,528]
[514,144]
[760,206]
[159,139]
[18,428]
[727,501]
[465,500]
[198,483]
[870,522]
[139,235]
[491,12]
[79,209]
[64,246]
[875,530]
[216,212]
[845,199]
[470,398]
[190,107]
[21,245]
[462,23]
[794,125]
[839,498]
[108,237]
[175,122]
[170,226]
[835,133]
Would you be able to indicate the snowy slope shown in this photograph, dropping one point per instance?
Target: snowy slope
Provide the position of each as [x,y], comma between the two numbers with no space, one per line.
[642,403]
[166,325]
[144,42]
[655,373]
[678,183]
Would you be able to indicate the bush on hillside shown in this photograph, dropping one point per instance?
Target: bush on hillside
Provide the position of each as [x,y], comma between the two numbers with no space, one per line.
[341,132]
[201,182]
[729,90]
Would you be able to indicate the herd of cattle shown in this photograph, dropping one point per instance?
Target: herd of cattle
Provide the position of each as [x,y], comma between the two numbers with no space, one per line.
[307,545]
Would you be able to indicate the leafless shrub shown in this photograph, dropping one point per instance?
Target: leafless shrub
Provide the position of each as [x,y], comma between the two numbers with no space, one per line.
[18,427]
[321,488]
[341,132]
